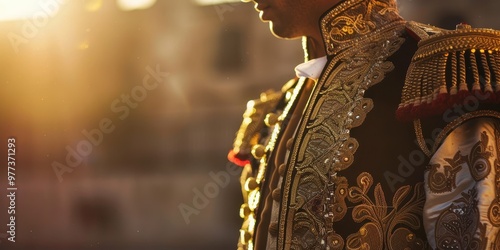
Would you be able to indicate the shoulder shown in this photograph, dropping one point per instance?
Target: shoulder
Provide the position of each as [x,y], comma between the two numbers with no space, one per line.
[449,68]
[421,31]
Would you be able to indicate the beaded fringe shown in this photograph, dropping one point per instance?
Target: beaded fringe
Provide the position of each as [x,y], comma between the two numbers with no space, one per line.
[451,69]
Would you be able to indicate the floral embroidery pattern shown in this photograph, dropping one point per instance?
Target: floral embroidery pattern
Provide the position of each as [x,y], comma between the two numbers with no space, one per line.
[388,226]
[494,210]
[444,181]
[457,225]
[348,26]
[478,159]
[325,146]
[443,178]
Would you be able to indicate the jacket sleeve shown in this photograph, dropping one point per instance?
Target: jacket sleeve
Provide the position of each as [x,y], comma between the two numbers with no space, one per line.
[462,185]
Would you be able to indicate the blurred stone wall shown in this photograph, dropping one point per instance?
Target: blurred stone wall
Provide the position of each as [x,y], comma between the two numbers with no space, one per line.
[169,147]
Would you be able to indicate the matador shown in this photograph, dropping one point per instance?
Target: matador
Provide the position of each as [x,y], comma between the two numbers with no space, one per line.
[388,138]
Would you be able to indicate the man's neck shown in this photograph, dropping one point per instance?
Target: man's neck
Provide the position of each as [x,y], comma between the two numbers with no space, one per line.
[315,48]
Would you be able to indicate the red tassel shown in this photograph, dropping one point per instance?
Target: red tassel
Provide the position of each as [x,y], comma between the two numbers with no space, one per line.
[403,114]
[236,159]
[443,102]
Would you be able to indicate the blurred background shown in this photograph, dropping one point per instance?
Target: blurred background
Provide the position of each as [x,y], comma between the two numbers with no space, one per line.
[123,112]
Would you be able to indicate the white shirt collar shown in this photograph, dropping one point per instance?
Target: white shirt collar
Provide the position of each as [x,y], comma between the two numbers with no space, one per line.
[312,68]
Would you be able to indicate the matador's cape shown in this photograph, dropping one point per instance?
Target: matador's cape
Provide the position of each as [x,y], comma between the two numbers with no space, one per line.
[394,147]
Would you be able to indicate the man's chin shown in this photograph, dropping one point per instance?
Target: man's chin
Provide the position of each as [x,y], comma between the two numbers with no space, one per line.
[281,33]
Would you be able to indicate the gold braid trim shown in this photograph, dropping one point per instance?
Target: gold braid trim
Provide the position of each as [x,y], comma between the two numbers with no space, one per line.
[354,20]
[459,121]
[249,133]
[422,30]
[448,66]
[250,181]
[323,146]
[420,138]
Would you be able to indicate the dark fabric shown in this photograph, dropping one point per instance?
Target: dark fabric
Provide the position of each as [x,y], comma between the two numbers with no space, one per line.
[387,148]
[276,159]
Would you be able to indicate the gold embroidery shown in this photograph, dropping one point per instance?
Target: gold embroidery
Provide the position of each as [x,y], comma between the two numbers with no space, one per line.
[444,180]
[321,203]
[494,210]
[479,159]
[360,24]
[253,121]
[349,26]
[389,226]
[456,227]
[496,244]
[352,20]
[251,182]
[393,227]
[448,63]
[494,213]
[459,121]
[420,137]
[337,106]
[422,30]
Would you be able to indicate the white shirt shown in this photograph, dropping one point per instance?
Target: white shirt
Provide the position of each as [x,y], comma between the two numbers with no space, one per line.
[311,69]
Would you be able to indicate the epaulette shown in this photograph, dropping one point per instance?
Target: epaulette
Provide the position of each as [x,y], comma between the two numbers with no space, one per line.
[448,68]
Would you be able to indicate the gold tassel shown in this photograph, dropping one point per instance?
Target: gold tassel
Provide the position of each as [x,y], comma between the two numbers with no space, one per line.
[414,90]
[463,83]
[494,64]
[417,90]
[425,84]
[487,72]
[405,95]
[453,88]
[473,58]
[441,72]
[475,71]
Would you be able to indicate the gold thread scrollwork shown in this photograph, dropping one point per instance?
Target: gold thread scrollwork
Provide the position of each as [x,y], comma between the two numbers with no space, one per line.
[326,147]
[386,226]
[456,227]
[443,178]
[494,210]
[345,25]
[479,159]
